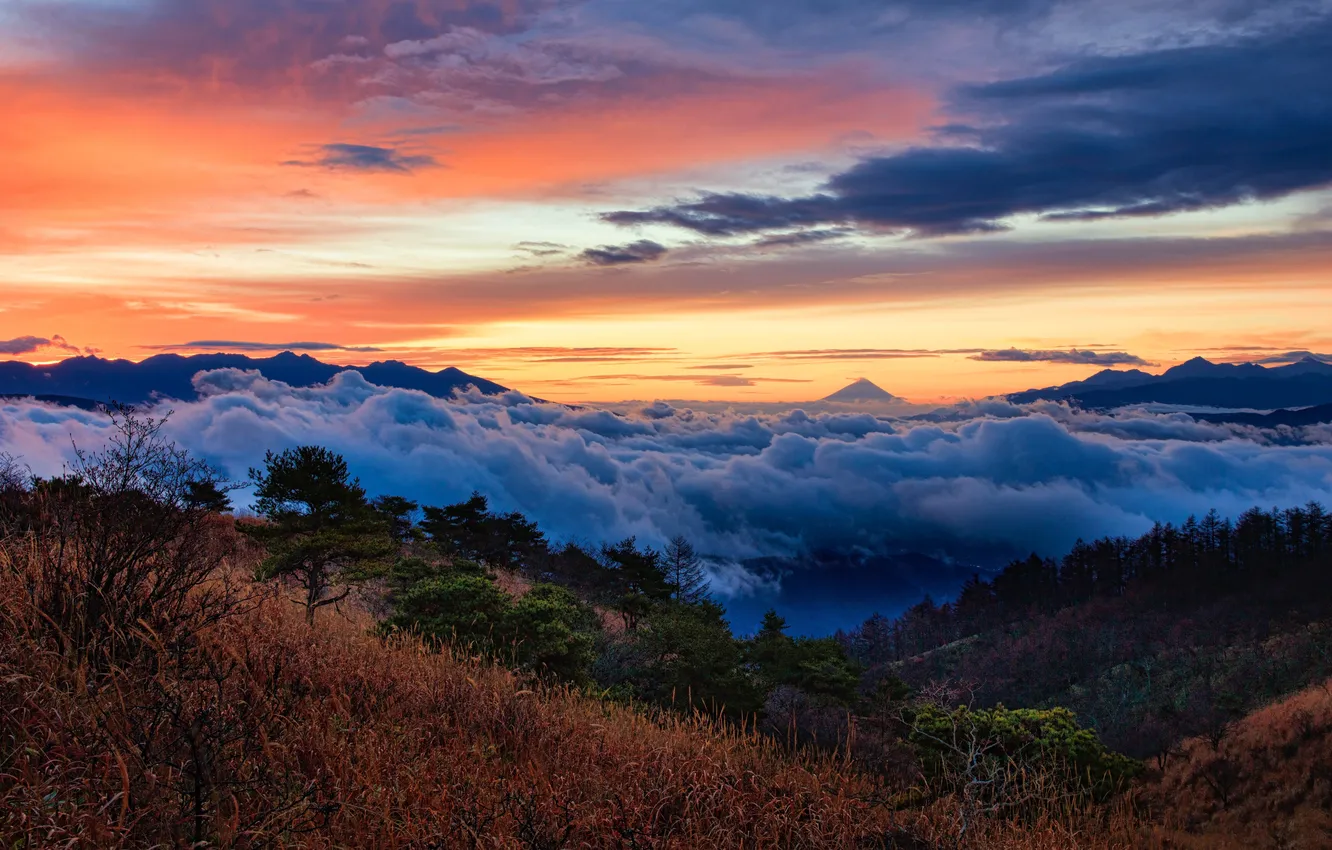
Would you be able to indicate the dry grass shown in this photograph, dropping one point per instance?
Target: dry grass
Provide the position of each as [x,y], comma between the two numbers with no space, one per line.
[1267,785]
[276,734]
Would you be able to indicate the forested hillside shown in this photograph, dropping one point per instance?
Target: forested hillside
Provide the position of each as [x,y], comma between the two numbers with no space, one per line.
[1149,640]
[342,671]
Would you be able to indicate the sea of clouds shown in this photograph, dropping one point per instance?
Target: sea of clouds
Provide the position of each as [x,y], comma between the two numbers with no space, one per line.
[994,477]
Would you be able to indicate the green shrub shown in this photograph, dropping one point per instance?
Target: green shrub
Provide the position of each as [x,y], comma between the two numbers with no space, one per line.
[548,630]
[466,608]
[553,631]
[1005,751]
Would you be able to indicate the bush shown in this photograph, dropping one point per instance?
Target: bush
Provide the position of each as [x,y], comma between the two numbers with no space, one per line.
[119,555]
[553,631]
[1006,756]
[468,609]
[548,630]
[686,656]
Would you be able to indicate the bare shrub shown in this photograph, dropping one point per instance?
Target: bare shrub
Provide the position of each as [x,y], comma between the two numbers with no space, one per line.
[116,549]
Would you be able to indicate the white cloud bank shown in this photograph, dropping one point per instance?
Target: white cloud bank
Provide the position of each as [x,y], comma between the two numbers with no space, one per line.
[1003,477]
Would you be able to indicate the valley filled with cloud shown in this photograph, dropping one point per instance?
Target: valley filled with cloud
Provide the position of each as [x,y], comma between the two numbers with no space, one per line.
[995,480]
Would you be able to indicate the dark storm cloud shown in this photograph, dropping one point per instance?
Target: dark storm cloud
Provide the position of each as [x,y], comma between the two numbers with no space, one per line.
[1084,357]
[642,251]
[343,156]
[1146,134]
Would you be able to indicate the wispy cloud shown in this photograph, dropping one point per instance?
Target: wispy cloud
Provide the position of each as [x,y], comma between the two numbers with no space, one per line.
[243,345]
[699,380]
[642,251]
[542,249]
[350,157]
[1288,357]
[209,309]
[817,354]
[1081,357]
[33,344]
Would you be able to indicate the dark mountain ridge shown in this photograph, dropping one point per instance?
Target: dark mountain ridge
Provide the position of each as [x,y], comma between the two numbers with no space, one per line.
[1293,418]
[1202,383]
[172,375]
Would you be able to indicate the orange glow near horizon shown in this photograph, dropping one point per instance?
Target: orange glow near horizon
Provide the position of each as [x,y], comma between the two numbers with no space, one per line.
[441,204]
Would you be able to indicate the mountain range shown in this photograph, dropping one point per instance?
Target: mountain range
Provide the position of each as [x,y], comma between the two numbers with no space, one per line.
[84,381]
[1200,383]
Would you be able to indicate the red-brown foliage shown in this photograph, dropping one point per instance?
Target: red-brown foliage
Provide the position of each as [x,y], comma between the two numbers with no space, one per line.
[273,733]
[1267,783]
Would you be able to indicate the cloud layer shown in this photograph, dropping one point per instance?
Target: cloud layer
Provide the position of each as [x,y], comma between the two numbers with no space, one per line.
[33,344]
[1002,480]
[1082,357]
[642,251]
[1144,134]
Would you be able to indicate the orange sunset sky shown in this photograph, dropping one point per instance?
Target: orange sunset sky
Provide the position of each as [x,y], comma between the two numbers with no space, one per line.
[696,199]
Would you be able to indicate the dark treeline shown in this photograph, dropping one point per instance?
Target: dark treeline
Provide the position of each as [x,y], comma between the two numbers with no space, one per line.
[1169,566]
[1178,632]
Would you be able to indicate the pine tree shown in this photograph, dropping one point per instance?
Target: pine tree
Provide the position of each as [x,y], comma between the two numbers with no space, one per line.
[684,572]
[321,531]
[637,580]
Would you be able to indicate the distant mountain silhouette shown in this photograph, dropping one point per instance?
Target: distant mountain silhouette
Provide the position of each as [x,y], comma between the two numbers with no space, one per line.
[1295,418]
[861,391]
[171,376]
[1201,383]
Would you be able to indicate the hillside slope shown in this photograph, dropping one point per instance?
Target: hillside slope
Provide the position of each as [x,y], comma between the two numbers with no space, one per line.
[333,738]
[1267,783]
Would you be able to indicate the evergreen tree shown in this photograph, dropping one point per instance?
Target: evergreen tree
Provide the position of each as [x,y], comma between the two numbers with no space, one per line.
[818,667]
[684,572]
[208,496]
[637,580]
[400,514]
[691,660]
[320,530]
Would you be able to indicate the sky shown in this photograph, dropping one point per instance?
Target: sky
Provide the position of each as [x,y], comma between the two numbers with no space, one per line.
[683,199]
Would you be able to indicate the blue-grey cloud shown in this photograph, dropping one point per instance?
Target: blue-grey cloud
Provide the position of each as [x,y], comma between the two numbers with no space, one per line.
[350,157]
[1289,357]
[642,251]
[1082,357]
[31,344]
[801,238]
[1144,134]
[1003,477]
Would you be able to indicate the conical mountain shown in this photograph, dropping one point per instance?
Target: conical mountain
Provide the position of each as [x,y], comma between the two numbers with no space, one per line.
[861,391]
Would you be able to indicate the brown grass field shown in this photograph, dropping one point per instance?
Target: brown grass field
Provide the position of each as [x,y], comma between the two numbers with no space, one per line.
[273,734]
[268,733]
